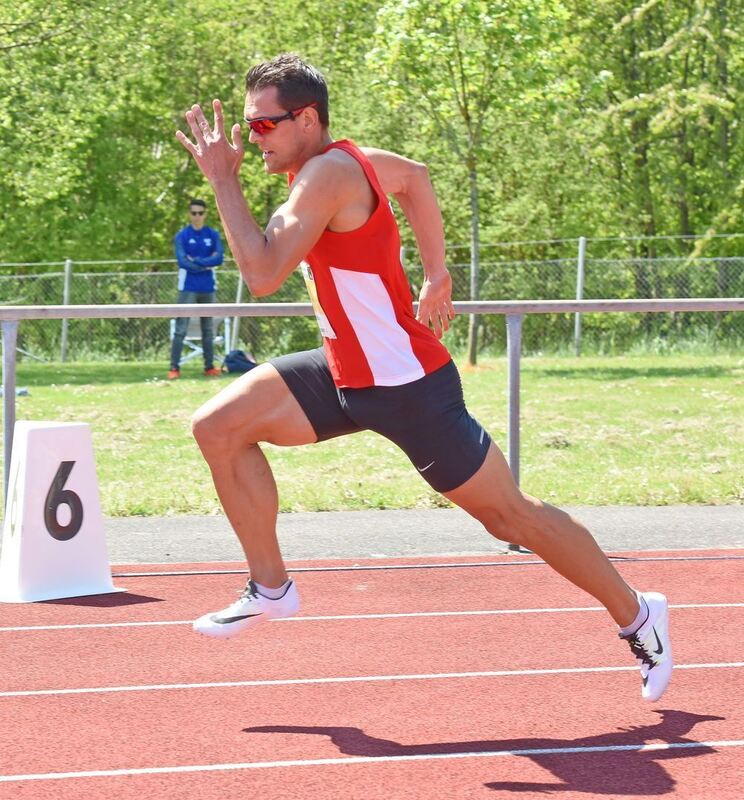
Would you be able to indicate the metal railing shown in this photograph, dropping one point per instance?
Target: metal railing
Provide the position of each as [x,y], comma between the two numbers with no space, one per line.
[582,269]
[11,316]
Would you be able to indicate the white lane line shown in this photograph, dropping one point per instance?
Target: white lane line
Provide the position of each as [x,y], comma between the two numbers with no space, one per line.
[336,617]
[97,625]
[350,760]
[505,673]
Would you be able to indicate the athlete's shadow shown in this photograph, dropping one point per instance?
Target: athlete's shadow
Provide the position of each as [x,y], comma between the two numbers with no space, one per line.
[628,771]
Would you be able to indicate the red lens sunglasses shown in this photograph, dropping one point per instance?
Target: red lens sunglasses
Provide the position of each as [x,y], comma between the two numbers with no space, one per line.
[262,125]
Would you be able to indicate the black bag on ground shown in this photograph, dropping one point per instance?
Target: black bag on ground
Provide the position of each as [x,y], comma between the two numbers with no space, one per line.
[237,361]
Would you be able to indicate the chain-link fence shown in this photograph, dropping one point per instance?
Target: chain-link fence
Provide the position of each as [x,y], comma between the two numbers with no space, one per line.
[561,270]
[593,278]
[143,283]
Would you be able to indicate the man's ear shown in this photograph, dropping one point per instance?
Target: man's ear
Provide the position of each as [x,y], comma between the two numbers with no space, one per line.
[310,118]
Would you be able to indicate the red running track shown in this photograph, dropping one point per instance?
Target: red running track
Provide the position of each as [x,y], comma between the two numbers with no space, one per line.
[381,707]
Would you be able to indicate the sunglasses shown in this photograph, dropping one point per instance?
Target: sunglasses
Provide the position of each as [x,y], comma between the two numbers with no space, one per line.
[197,213]
[262,125]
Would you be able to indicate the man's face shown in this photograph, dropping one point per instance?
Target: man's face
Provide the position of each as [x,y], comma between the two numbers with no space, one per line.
[281,147]
[196,216]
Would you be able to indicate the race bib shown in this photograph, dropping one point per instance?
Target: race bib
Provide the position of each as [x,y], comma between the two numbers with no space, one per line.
[325,326]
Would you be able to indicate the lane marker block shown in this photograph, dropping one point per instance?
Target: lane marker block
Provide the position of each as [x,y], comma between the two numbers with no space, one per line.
[54,544]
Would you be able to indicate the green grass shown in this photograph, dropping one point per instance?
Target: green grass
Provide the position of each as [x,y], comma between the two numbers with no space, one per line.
[648,430]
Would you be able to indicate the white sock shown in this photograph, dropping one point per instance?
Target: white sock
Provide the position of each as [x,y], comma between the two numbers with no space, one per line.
[272,594]
[641,617]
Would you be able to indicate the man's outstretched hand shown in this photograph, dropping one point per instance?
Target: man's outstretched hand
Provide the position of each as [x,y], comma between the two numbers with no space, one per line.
[215,156]
[435,303]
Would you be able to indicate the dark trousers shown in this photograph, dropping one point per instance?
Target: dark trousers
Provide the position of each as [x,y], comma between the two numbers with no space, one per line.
[182,324]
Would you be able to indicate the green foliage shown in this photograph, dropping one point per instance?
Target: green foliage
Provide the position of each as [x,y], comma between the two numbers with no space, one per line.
[665,96]
[594,118]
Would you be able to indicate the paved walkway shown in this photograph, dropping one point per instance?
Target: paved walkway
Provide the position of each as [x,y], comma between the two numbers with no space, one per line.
[370,534]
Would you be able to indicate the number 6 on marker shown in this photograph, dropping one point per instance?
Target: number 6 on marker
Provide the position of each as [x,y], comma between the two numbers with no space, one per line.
[57,496]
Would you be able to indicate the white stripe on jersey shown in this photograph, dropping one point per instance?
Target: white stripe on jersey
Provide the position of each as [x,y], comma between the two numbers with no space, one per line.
[369,309]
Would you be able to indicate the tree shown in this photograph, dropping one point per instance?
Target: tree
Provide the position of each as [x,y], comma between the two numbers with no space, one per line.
[464,65]
[664,82]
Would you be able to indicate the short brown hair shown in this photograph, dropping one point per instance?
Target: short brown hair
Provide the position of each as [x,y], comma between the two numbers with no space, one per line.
[297,82]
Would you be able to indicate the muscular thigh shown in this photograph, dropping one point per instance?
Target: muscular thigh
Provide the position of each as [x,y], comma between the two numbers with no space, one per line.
[428,420]
[492,487]
[257,407]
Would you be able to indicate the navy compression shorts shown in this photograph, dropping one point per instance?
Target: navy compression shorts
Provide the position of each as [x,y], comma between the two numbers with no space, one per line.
[426,418]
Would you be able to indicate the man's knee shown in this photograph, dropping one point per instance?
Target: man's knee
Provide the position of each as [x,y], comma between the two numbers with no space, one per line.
[205,428]
[223,429]
[515,522]
[214,437]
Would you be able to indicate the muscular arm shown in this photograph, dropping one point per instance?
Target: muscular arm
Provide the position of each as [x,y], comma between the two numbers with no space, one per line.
[408,181]
[266,257]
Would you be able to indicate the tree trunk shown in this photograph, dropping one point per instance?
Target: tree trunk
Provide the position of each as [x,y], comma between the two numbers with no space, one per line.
[474,262]
[722,57]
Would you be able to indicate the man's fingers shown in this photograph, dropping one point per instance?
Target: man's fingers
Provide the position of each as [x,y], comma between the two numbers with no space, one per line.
[186,142]
[202,124]
[431,318]
[201,120]
[436,325]
[237,137]
[195,129]
[439,320]
[219,120]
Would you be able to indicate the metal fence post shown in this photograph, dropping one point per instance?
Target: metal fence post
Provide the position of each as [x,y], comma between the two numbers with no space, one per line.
[236,320]
[514,352]
[579,293]
[65,302]
[10,337]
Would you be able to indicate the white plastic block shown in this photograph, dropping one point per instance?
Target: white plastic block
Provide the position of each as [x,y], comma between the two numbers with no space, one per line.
[54,544]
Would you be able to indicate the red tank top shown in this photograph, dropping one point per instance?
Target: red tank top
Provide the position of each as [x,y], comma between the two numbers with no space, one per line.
[363,302]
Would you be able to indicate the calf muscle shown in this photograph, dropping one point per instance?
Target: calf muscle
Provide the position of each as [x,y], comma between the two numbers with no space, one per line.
[258,407]
[492,497]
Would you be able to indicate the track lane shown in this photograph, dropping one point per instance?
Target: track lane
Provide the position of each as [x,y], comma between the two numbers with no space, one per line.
[268,724]
[434,719]
[184,597]
[581,777]
[136,656]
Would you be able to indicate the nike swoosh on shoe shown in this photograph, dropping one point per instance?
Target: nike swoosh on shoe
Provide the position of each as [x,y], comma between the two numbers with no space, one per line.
[228,620]
[660,646]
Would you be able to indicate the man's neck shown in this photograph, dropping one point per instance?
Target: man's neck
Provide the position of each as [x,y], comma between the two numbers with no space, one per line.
[317,148]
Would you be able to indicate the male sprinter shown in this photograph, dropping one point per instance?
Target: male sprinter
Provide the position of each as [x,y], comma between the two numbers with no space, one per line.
[380,368]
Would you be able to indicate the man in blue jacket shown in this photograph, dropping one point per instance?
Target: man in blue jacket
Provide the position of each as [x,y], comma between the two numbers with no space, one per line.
[198,251]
